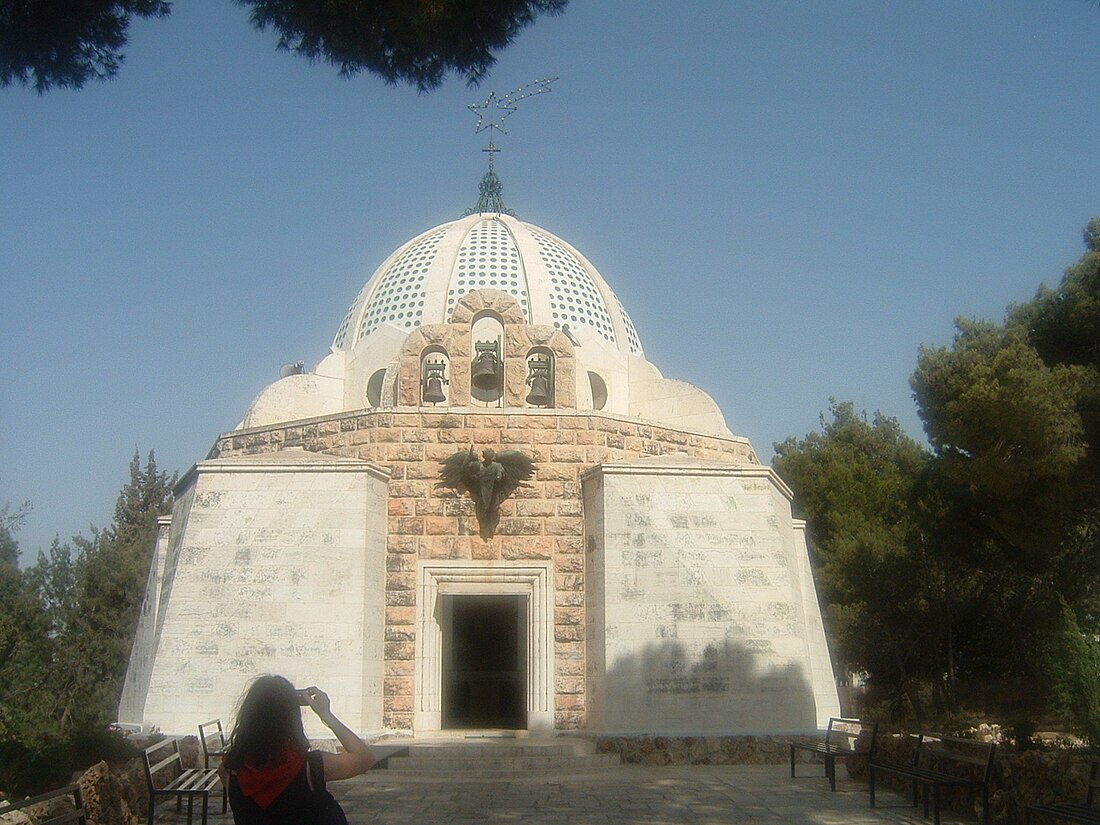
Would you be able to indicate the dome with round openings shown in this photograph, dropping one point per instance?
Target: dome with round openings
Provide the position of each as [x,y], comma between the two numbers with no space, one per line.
[423,280]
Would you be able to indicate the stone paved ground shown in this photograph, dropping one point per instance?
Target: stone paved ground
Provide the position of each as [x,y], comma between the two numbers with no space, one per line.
[696,795]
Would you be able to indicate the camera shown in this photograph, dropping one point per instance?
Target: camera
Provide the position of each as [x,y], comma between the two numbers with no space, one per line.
[303,697]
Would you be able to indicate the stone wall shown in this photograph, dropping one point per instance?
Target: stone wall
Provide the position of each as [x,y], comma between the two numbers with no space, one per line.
[543,521]
[699,750]
[275,564]
[708,622]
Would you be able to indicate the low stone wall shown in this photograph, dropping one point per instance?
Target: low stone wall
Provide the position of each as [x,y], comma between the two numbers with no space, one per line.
[700,750]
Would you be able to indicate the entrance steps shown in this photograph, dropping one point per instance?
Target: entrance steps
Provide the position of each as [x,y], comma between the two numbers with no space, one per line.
[479,757]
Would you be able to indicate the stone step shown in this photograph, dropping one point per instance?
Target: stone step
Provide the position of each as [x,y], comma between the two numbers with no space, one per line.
[475,763]
[484,748]
[500,759]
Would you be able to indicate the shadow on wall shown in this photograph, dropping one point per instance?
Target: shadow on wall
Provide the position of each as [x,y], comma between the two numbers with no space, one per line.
[712,687]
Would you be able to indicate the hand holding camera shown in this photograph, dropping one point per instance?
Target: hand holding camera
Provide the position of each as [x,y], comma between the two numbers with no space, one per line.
[315,698]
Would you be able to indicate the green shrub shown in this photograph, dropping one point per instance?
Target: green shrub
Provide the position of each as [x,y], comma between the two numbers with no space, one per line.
[29,768]
[1074,665]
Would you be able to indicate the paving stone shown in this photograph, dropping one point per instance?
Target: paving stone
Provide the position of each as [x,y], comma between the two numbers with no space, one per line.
[639,795]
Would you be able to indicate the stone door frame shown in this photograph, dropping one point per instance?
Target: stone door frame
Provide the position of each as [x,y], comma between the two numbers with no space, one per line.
[480,578]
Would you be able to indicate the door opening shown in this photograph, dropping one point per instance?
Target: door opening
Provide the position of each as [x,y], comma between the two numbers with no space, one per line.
[484,661]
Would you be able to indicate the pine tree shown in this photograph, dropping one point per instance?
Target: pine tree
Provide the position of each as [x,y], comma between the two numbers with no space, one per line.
[110,580]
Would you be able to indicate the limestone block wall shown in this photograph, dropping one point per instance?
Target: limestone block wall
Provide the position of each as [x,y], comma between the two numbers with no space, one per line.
[131,706]
[702,589]
[541,523]
[276,564]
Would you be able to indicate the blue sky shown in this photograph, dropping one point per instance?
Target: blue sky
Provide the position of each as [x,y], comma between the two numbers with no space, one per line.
[789,199]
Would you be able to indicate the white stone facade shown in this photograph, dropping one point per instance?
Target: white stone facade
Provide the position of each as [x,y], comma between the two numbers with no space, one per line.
[275,564]
[702,612]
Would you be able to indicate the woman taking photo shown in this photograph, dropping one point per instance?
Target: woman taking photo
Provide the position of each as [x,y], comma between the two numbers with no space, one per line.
[272,776]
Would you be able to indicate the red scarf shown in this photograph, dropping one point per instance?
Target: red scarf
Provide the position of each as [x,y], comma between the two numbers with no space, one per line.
[263,785]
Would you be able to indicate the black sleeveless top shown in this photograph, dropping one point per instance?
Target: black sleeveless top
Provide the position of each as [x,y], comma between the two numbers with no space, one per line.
[296,805]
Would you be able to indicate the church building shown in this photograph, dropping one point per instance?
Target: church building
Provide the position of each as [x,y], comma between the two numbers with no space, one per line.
[643,574]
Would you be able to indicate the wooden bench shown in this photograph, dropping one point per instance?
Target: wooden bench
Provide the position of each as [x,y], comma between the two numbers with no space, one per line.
[941,762]
[74,814]
[212,737]
[163,758]
[1069,811]
[844,739]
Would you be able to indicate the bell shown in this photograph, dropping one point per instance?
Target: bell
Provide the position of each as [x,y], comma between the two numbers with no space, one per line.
[540,390]
[485,372]
[433,390]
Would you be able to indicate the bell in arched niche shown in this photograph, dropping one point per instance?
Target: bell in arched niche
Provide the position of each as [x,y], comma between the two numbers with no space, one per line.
[433,378]
[540,379]
[487,367]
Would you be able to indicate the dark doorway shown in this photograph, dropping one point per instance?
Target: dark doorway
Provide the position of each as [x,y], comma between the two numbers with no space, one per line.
[484,662]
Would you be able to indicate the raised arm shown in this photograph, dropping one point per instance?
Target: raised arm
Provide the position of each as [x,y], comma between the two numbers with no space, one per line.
[357,757]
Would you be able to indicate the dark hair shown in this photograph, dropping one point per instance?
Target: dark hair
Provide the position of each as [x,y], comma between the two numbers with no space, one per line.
[268,720]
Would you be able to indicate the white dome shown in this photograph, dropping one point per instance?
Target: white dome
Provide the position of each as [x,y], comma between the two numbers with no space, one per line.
[423,280]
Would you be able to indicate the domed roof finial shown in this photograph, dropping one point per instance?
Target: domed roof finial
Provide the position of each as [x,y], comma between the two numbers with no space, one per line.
[491,115]
[490,195]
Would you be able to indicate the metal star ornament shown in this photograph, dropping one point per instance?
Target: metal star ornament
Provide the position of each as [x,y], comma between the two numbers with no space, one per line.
[492,113]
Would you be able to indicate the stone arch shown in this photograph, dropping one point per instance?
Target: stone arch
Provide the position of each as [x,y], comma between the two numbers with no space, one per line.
[435,364]
[539,374]
[456,338]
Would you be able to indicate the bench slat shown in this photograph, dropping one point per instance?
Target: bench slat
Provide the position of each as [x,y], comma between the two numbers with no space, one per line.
[196,780]
[70,792]
[956,756]
[165,763]
[70,816]
[1077,813]
[929,776]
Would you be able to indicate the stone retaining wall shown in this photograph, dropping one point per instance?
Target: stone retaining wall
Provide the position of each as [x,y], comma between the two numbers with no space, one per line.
[701,750]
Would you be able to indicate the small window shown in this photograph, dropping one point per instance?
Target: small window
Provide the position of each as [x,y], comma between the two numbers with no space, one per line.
[374,388]
[599,391]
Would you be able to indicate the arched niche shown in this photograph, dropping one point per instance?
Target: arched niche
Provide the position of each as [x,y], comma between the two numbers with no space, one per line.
[375,384]
[487,366]
[435,371]
[540,377]
[599,390]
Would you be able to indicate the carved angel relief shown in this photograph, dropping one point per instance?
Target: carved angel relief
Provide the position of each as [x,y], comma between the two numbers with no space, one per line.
[489,481]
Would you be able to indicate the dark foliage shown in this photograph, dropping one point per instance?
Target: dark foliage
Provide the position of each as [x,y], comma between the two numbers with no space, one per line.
[48,43]
[413,41]
[66,628]
[968,574]
[65,43]
[29,768]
